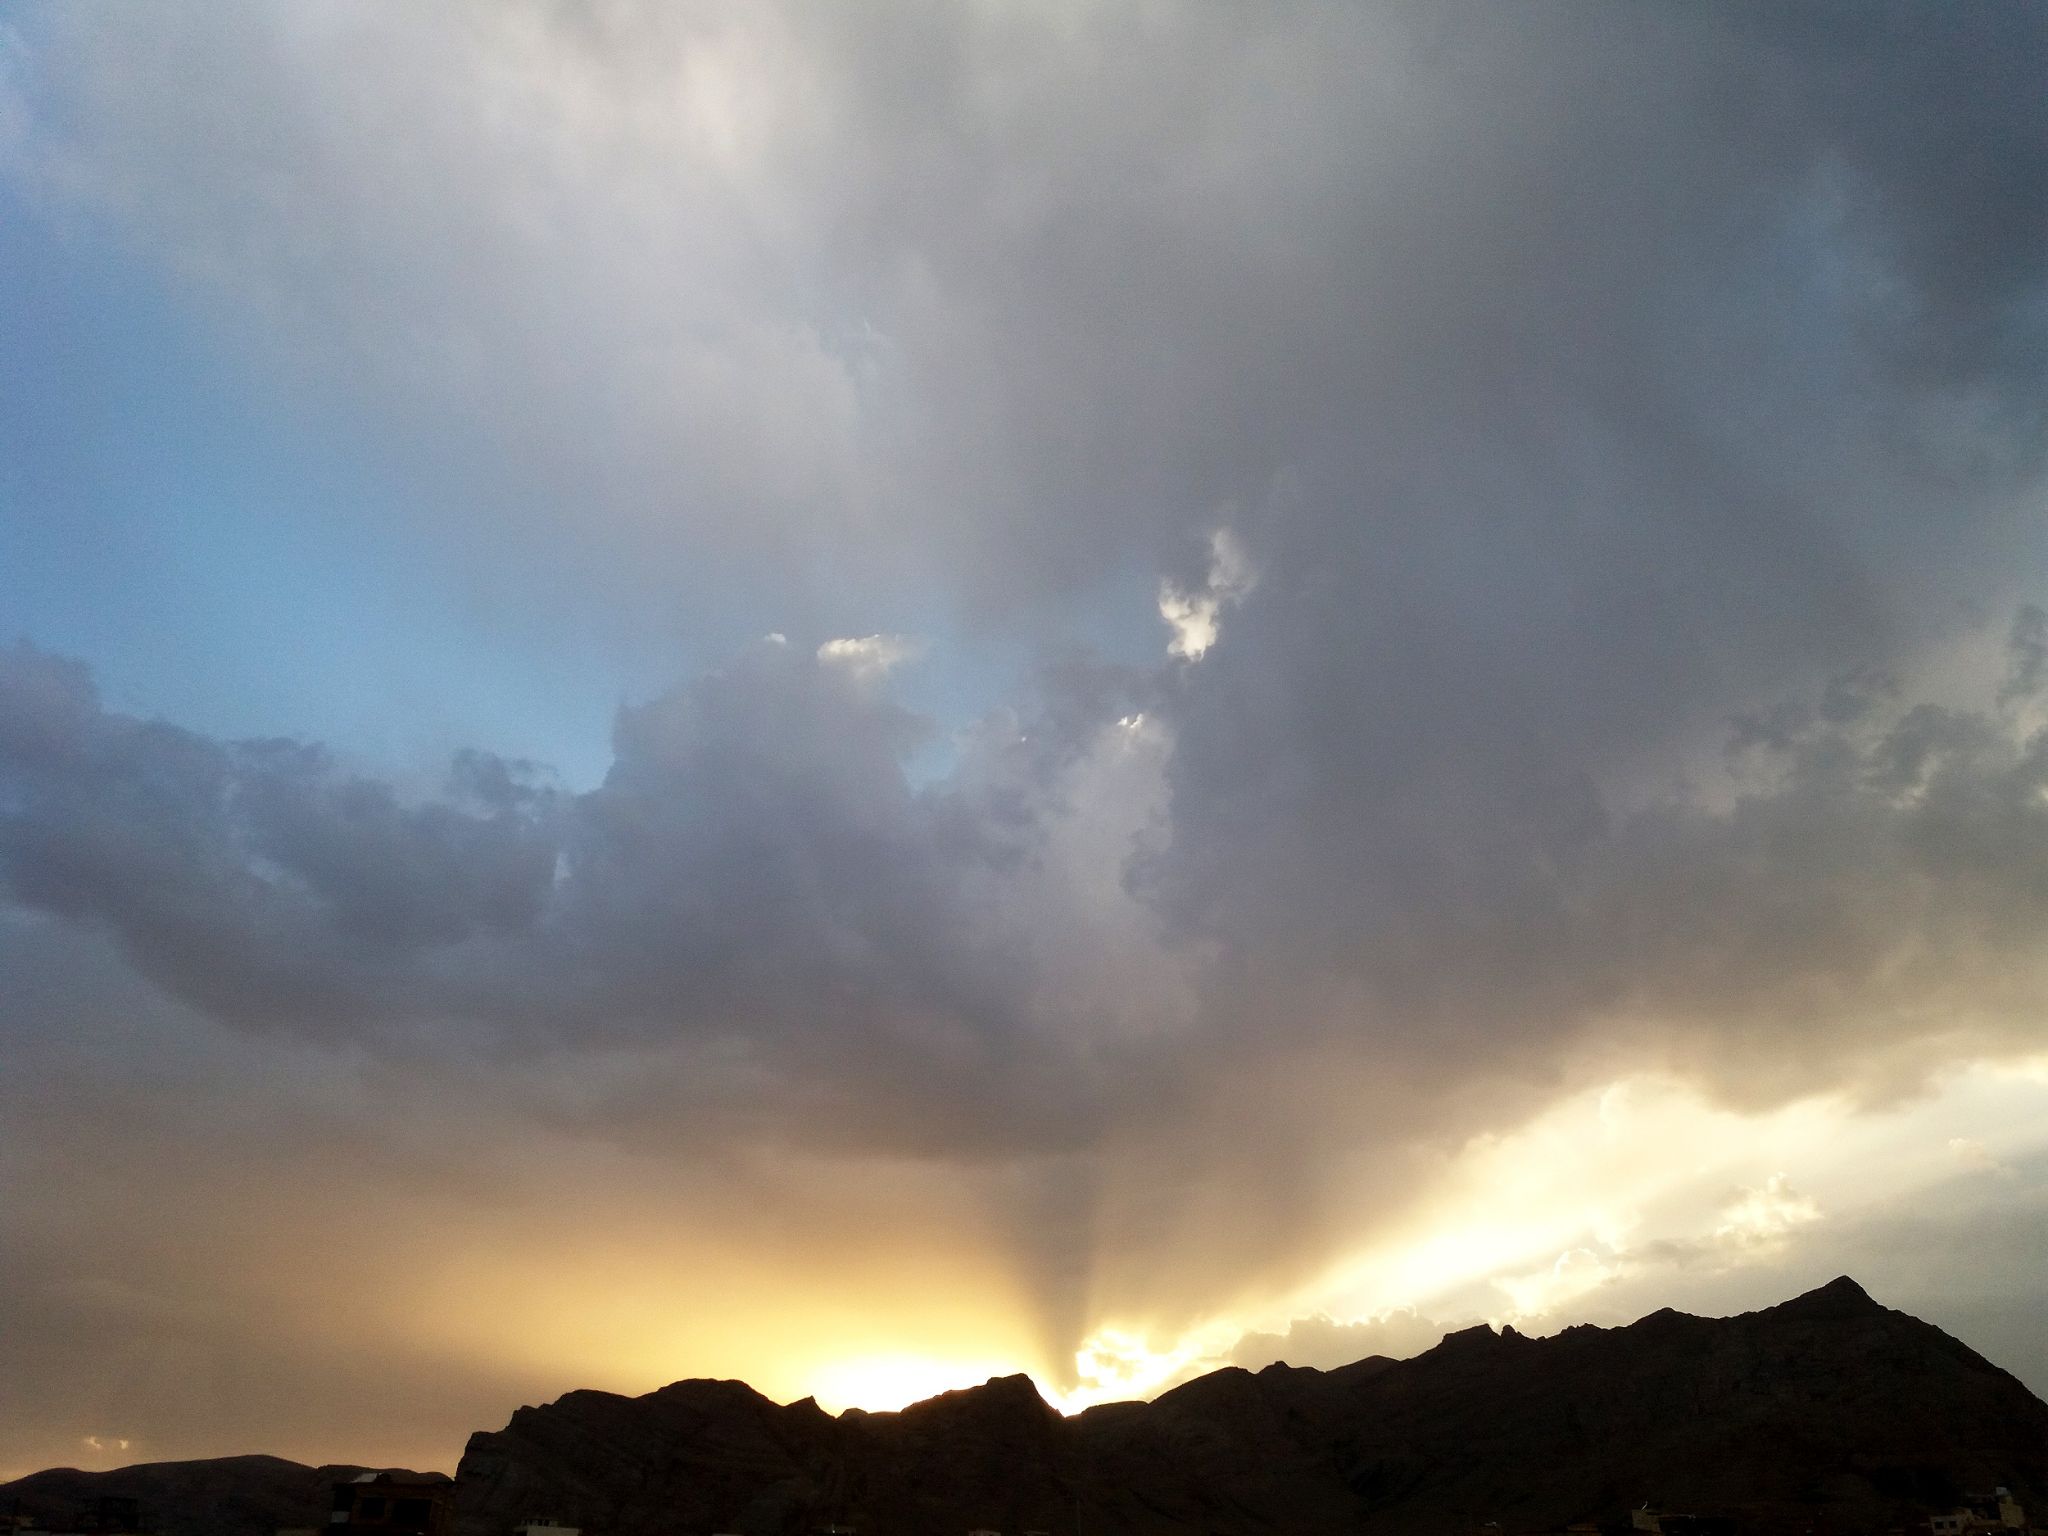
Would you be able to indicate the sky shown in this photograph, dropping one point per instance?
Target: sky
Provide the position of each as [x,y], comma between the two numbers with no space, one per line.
[866,696]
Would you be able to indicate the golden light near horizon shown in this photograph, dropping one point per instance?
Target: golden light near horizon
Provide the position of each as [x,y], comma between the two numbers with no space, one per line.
[882,1383]
[858,1316]
[1525,1225]
[1530,1226]
[1522,1225]
[1118,1363]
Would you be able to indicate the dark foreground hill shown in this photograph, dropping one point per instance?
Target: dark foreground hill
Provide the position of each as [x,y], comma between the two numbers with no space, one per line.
[1829,1413]
[222,1496]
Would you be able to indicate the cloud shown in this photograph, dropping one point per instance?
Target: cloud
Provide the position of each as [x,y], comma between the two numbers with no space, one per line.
[256,879]
[1977,1157]
[1194,616]
[1754,1226]
[869,656]
[1005,300]
[1761,1218]
[2029,648]
[755,875]
[757,924]
[1841,893]
[1325,1344]
[1565,1280]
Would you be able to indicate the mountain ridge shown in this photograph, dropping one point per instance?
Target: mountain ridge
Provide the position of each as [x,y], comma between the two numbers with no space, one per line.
[1828,1413]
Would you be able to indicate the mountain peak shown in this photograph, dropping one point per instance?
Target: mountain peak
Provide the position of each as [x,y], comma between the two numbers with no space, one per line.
[1016,1387]
[1465,1340]
[1001,1393]
[1840,1297]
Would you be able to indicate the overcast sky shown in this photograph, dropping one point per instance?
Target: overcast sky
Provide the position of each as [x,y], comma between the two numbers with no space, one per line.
[862,695]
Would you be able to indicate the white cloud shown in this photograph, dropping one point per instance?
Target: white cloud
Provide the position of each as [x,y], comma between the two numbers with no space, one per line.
[1759,1219]
[1323,1342]
[1978,1158]
[1752,1227]
[1195,617]
[1564,1280]
[869,656]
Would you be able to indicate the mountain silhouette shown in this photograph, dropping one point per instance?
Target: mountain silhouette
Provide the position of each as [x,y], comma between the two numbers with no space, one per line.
[218,1496]
[1826,1414]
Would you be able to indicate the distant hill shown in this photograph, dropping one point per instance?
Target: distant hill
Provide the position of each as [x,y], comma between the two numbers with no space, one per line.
[1828,1414]
[221,1496]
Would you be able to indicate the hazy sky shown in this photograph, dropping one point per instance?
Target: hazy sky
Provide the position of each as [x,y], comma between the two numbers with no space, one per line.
[863,694]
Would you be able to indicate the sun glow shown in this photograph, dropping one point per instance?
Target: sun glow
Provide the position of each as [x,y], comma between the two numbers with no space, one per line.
[1646,1170]
[881,1383]
[1117,1364]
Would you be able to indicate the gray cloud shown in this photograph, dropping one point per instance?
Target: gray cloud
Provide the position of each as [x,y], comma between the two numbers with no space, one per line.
[800,945]
[1456,890]
[999,300]
[255,879]
[756,869]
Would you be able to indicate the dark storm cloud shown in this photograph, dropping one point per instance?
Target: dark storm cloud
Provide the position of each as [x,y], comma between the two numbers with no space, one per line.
[1573,379]
[1457,892]
[994,298]
[255,879]
[755,867]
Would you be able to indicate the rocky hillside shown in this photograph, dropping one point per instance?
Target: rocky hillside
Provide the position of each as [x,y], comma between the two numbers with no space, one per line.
[1829,1413]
